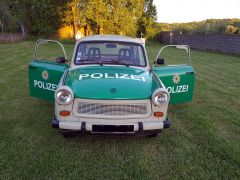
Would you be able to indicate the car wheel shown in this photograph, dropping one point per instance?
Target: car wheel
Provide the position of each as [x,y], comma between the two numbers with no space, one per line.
[153,135]
[67,134]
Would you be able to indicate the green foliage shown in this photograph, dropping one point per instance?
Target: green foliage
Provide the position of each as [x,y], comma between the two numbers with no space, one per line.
[147,23]
[209,26]
[39,17]
[124,17]
[150,11]
[44,17]
[232,29]
[10,17]
[104,16]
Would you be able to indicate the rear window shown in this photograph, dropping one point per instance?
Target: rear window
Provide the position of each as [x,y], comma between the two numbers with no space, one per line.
[117,53]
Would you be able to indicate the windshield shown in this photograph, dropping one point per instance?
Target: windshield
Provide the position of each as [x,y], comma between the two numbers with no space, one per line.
[118,53]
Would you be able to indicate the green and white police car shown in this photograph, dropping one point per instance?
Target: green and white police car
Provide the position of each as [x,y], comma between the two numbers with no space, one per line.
[109,87]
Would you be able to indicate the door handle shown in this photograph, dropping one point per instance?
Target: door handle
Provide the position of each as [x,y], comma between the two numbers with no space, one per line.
[189,72]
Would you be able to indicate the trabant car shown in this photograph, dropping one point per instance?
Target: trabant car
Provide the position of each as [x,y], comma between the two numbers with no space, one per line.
[109,87]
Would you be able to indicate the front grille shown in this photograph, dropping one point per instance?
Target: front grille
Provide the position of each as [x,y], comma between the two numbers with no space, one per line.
[100,109]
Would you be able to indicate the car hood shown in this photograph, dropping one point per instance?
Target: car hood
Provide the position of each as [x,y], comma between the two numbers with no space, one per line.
[111,82]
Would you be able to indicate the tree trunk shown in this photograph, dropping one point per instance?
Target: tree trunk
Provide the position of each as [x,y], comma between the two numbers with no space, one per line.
[23,30]
[85,30]
[73,22]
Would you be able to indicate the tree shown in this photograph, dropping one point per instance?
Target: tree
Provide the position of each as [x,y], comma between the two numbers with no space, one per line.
[98,13]
[124,17]
[209,26]
[150,11]
[43,17]
[105,16]
[10,17]
[39,17]
[147,23]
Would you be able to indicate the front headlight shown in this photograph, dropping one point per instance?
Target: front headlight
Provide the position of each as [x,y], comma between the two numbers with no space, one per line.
[64,95]
[160,97]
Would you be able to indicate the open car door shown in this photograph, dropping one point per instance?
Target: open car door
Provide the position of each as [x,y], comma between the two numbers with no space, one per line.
[178,79]
[44,75]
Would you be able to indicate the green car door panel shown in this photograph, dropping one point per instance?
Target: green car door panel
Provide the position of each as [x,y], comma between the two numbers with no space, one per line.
[179,81]
[44,77]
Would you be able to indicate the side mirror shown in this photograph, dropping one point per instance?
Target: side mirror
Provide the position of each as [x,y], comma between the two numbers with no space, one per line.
[160,61]
[61,60]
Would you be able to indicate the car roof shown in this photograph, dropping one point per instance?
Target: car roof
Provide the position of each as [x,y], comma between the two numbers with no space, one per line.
[110,38]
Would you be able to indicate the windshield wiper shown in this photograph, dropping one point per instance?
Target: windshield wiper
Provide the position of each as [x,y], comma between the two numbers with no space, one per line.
[91,62]
[98,62]
[113,61]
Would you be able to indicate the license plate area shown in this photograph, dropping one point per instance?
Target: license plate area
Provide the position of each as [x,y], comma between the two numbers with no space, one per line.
[113,128]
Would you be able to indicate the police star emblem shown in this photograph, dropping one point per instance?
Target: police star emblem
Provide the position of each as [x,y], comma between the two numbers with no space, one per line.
[176,79]
[45,74]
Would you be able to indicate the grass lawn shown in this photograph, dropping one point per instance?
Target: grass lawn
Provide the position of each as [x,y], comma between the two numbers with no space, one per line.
[202,143]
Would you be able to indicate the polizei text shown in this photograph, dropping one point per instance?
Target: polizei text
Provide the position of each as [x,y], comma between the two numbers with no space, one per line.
[178,89]
[112,76]
[45,85]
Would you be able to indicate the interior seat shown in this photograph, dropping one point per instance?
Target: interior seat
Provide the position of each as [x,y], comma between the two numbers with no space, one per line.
[94,54]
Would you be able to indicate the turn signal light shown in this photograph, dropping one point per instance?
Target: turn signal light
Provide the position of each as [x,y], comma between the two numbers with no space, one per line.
[64,113]
[158,114]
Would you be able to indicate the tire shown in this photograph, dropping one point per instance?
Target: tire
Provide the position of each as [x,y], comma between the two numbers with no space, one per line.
[153,135]
[67,134]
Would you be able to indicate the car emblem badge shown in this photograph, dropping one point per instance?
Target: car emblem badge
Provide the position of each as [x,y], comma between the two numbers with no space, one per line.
[113,90]
[45,74]
[176,79]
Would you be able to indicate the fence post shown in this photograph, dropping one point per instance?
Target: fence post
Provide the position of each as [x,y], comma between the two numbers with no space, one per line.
[171,38]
